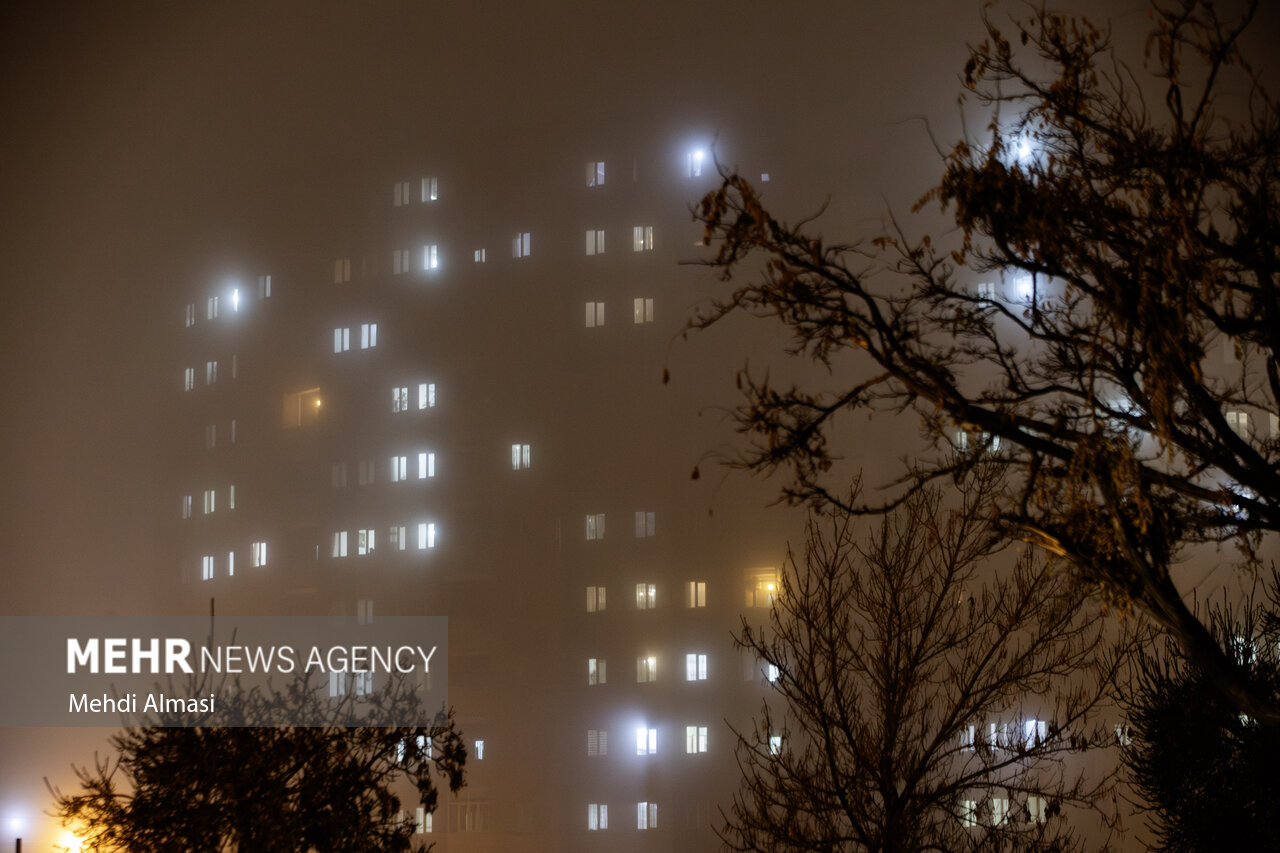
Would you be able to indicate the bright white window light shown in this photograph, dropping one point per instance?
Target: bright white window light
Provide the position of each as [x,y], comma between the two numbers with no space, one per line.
[693,163]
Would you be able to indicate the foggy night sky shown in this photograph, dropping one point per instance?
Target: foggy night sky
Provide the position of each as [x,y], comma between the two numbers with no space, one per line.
[148,145]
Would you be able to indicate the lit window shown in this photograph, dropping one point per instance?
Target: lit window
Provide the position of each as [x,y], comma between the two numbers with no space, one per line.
[695,667]
[999,810]
[231,497]
[235,299]
[264,287]
[365,472]
[258,554]
[191,314]
[595,598]
[764,177]
[189,379]
[1037,809]
[1034,733]
[595,526]
[400,399]
[1124,736]
[595,241]
[646,669]
[642,310]
[341,270]
[479,750]
[210,501]
[368,335]
[339,544]
[519,456]
[520,245]
[697,594]
[695,739]
[646,596]
[231,564]
[480,256]
[646,815]
[186,506]
[969,812]
[206,568]
[693,163]
[597,816]
[642,238]
[397,538]
[595,671]
[595,314]
[987,290]
[775,744]
[399,468]
[771,672]
[430,257]
[364,542]
[1238,421]
[210,372]
[337,684]
[597,742]
[211,436]
[424,821]
[430,189]
[967,738]
[644,524]
[646,741]
[595,173]
[341,340]
[426,465]
[338,475]
[212,307]
[400,193]
[363,683]
[426,535]
[426,395]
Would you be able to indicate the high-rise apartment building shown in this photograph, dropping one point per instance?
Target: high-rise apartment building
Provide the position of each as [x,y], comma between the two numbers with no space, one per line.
[459,409]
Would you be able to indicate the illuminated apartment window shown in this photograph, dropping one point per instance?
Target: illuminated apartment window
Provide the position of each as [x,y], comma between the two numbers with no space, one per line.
[341,339]
[337,684]
[520,245]
[642,310]
[186,506]
[341,270]
[191,314]
[338,475]
[695,667]
[646,669]
[399,468]
[595,173]
[595,314]
[999,810]
[264,287]
[595,241]
[364,542]
[425,821]
[400,399]
[399,261]
[479,750]
[771,672]
[231,564]
[1037,809]
[426,535]
[210,501]
[1238,421]
[212,307]
[211,436]
[426,395]
[235,300]
[1034,733]
[695,739]
[987,290]
[597,816]
[775,744]
[206,568]
[646,741]
[210,372]
[595,526]
[365,472]
[231,497]
[426,465]
[595,671]
[368,335]
[430,189]
[693,163]
[642,238]
[646,815]
[339,544]
[1124,736]
[646,596]
[697,594]
[519,456]
[363,683]
[400,193]
[595,598]
[969,813]
[480,253]
[399,541]
[597,742]
[189,379]
[968,738]
[430,257]
[762,587]
[258,554]
[644,524]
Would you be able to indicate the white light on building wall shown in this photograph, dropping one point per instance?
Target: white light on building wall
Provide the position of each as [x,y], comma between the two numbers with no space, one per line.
[693,163]
[235,299]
